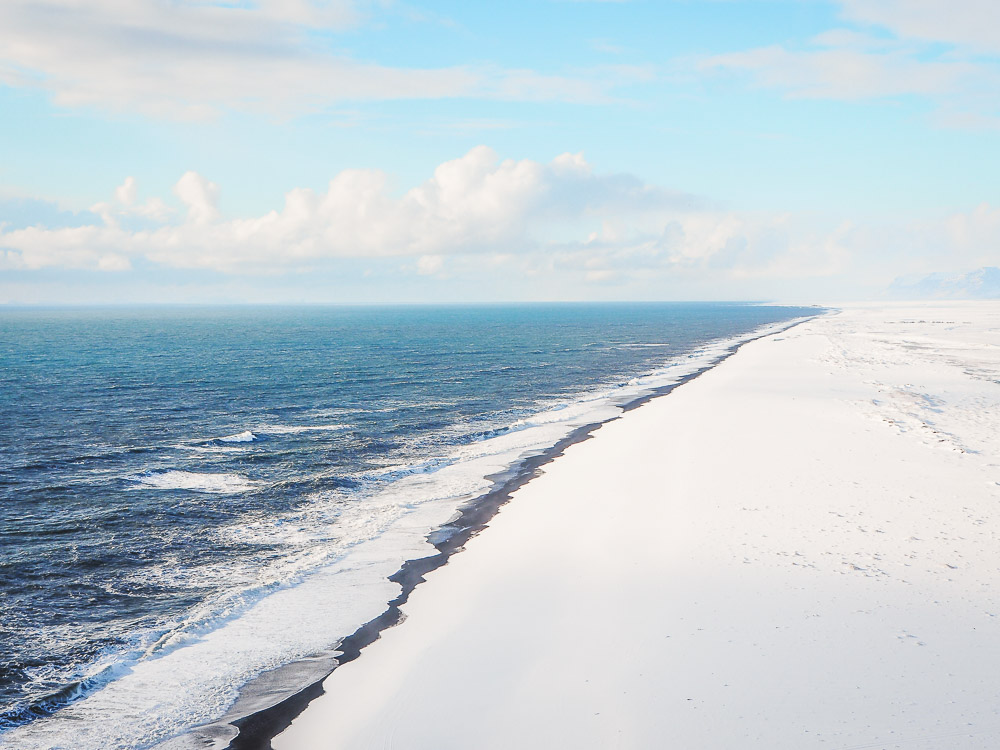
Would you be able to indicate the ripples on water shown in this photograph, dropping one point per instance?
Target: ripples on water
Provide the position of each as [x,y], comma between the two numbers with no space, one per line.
[163,469]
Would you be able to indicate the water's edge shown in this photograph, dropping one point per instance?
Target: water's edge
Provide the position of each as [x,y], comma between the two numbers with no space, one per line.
[269,703]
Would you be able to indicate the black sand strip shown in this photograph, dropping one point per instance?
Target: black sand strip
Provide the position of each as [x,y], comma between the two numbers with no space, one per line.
[258,727]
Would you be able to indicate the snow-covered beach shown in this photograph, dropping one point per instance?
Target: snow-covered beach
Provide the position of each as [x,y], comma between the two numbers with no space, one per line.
[797,549]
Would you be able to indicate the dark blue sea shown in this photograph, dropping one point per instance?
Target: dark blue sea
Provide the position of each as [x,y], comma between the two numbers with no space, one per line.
[190,497]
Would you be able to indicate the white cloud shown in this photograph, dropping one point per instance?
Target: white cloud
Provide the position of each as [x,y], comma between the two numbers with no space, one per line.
[476,204]
[126,193]
[430,265]
[200,196]
[124,205]
[974,24]
[927,48]
[848,72]
[189,59]
[77,247]
[710,245]
[976,233]
[479,214]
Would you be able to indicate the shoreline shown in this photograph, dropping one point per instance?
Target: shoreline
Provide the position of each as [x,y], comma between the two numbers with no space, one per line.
[256,727]
[796,552]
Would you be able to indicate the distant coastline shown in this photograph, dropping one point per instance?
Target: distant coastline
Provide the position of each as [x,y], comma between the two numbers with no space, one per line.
[795,547]
[258,727]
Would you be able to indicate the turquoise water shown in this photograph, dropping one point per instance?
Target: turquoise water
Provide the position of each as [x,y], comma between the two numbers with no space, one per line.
[163,469]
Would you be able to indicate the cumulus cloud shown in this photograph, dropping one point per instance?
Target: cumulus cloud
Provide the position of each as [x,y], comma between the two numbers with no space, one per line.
[188,59]
[200,196]
[126,193]
[480,214]
[95,247]
[125,205]
[476,205]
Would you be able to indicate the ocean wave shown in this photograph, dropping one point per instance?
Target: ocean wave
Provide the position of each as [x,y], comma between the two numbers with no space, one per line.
[303,602]
[212,448]
[241,437]
[222,484]
[287,429]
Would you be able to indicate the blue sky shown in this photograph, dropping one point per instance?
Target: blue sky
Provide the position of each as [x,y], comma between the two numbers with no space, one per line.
[339,151]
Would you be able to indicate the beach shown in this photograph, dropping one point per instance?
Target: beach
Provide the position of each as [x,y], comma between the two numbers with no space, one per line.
[230,527]
[796,549]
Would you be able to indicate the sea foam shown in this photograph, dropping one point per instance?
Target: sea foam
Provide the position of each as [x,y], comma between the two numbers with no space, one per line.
[241,437]
[332,552]
[287,429]
[194,481]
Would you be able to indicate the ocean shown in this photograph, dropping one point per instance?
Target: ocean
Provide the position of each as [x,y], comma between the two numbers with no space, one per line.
[190,497]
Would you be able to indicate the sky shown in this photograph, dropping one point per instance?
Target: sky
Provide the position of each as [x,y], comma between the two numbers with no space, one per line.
[356,152]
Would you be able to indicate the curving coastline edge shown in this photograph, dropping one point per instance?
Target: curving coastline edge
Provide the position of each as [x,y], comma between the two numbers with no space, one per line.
[268,704]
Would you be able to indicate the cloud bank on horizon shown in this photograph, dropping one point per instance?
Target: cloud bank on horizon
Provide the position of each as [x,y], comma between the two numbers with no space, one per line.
[745,149]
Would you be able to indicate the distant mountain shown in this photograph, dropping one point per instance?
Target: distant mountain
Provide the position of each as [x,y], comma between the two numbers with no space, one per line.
[983,283]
